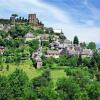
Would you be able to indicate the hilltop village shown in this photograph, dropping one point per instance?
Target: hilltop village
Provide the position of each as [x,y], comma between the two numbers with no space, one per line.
[36,40]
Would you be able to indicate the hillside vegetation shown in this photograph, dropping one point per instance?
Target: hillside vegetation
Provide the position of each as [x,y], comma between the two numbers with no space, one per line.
[64,78]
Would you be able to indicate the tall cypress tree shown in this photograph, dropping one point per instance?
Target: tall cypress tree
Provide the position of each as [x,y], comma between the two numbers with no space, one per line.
[76,41]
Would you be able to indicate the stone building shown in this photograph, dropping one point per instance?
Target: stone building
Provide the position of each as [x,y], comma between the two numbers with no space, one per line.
[39,62]
[86,53]
[5,27]
[36,56]
[34,21]
[52,53]
[29,36]
[12,19]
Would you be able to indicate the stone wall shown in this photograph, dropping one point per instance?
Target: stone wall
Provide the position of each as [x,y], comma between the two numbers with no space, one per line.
[5,27]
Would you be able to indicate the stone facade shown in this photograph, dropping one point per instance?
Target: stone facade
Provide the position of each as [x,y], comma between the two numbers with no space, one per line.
[52,53]
[33,20]
[5,27]
[37,58]
[29,36]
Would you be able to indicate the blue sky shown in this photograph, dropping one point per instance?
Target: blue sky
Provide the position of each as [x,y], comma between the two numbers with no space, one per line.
[75,17]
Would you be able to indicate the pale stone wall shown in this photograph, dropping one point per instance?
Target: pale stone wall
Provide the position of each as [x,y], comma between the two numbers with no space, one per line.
[5,27]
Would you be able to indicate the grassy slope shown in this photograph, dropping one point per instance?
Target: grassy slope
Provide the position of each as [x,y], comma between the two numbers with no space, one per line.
[31,71]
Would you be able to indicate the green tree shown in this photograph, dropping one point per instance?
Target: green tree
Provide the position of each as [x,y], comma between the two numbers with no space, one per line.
[34,44]
[63,60]
[79,62]
[14,15]
[94,91]
[42,86]
[83,45]
[7,67]
[76,41]
[86,61]
[92,46]
[34,62]
[17,81]
[95,61]
[19,31]
[82,77]
[45,43]
[3,34]
[68,90]
[73,61]
[4,88]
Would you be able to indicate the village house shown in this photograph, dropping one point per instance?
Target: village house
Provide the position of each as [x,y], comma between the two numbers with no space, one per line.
[5,27]
[54,45]
[44,37]
[70,51]
[36,56]
[87,53]
[57,31]
[60,45]
[67,43]
[77,50]
[52,53]
[29,36]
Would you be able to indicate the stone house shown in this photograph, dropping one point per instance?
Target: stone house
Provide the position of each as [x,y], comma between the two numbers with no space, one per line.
[67,43]
[57,31]
[52,53]
[29,36]
[86,53]
[44,37]
[39,62]
[37,58]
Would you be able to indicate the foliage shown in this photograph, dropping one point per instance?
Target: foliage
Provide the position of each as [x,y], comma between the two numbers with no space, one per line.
[40,31]
[95,61]
[45,43]
[19,30]
[94,91]
[73,61]
[86,61]
[17,81]
[42,86]
[76,41]
[34,62]
[34,44]
[15,15]
[4,88]
[3,34]
[83,45]
[92,46]
[5,21]
[68,89]
[79,62]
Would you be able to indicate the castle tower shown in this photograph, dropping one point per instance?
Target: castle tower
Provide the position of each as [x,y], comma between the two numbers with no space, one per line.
[12,19]
[32,19]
